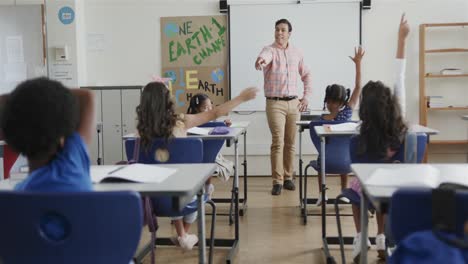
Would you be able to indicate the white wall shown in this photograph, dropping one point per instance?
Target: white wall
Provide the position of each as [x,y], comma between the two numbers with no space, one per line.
[130,31]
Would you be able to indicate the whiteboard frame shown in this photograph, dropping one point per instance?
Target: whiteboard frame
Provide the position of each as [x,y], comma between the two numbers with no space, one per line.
[278,2]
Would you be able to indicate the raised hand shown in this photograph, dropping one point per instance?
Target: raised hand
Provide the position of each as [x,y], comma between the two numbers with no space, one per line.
[248,93]
[404,30]
[358,54]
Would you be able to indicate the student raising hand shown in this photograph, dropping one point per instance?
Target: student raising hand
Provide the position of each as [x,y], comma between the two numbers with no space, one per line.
[358,54]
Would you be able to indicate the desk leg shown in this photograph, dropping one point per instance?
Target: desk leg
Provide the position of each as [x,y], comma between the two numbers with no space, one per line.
[236,191]
[329,258]
[364,223]
[243,210]
[235,195]
[324,186]
[201,228]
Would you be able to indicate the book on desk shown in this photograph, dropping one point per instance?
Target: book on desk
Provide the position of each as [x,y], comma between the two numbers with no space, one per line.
[130,173]
[342,127]
[199,131]
[420,175]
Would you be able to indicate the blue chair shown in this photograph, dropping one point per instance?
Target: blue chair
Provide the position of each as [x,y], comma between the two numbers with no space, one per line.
[211,147]
[181,150]
[81,227]
[418,210]
[415,144]
[337,160]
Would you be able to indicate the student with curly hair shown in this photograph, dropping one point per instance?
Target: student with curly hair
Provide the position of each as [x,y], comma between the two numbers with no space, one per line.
[52,126]
[157,119]
[382,132]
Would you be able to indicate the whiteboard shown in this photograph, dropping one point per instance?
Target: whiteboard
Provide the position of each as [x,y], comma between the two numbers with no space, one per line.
[21,45]
[326,32]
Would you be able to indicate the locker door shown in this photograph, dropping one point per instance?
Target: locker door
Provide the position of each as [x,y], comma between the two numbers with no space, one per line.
[111,126]
[130,100]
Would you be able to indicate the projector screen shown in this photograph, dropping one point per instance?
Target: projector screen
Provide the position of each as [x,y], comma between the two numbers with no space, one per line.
[326,32]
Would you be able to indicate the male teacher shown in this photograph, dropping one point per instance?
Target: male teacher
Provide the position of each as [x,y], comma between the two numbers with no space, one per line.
[282,64]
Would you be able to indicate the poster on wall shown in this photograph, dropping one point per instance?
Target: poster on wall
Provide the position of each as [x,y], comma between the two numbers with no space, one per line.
[194,53]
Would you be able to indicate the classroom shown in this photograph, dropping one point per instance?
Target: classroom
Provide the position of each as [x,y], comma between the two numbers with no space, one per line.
[277,131]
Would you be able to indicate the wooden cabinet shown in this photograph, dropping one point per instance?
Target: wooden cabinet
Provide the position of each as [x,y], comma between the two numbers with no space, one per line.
[444,46]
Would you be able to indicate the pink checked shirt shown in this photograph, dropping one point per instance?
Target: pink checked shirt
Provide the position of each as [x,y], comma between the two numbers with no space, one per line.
[281,75]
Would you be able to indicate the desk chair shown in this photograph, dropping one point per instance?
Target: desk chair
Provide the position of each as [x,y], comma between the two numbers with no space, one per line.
[72,228]
[212,147]
[411,151]
[417,212]
[181,150]
[337,161]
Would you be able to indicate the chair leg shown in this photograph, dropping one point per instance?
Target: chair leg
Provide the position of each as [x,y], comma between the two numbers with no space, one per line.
[305,194]
[152,222]
[212,236]
[300,186]
[338,223]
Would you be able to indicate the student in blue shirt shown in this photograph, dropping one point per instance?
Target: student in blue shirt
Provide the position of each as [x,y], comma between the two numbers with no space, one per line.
[50,125]
[340,105]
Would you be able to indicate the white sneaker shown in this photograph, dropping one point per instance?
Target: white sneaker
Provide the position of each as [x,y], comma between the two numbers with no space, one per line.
[357,247]
[319,200]
[188,241]
[209,189]
[380,245]
[344,199]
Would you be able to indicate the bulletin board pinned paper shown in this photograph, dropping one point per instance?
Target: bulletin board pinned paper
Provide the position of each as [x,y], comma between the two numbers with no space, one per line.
[194,55]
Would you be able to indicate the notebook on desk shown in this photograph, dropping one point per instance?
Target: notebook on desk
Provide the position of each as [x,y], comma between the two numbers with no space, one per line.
[421,175]
[130,173]
[343,127]
[199,131]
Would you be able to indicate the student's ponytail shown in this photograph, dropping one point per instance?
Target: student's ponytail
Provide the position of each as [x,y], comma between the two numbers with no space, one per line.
[348,95]
[327,94]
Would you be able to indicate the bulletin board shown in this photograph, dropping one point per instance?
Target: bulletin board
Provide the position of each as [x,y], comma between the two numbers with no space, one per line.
[194,54]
